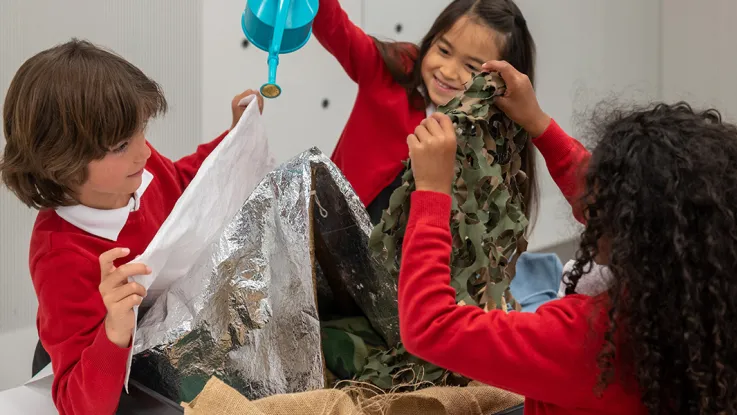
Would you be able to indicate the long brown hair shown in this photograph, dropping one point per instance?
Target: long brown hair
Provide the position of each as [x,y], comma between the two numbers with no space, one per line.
[404,60]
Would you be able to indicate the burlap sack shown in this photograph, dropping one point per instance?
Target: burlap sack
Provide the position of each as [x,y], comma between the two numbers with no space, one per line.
[217,398]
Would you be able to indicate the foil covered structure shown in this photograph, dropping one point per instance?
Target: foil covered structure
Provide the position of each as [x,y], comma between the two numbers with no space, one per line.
[249,310]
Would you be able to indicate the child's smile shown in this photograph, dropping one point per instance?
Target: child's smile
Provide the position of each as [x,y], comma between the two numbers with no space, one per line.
[455,56]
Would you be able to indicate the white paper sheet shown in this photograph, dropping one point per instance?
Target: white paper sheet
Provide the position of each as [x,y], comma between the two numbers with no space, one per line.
[33,397]
[223,183]
[45,376]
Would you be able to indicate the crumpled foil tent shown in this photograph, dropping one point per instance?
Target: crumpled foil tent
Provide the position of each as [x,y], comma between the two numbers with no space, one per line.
[248,313]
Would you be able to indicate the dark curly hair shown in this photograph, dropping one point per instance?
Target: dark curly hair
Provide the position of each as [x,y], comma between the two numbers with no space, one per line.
[660,206]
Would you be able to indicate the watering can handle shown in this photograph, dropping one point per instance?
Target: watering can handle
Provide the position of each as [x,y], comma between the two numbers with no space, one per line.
[280,24]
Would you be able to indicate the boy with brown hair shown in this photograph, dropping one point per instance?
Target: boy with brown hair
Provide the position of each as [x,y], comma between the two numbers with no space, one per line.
[74,121]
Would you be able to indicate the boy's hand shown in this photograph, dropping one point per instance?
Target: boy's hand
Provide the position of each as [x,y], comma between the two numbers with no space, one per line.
[519,101]
[120,296]
[432,149]
[239,110]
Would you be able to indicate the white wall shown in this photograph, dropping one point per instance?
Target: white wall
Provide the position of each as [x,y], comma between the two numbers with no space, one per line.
[700,54]
[587,51]
[164,39]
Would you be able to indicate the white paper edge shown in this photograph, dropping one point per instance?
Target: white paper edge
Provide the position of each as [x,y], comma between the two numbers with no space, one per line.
[243,102]
[43,374]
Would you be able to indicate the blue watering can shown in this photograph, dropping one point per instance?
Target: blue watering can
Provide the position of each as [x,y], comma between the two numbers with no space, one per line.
[276,27]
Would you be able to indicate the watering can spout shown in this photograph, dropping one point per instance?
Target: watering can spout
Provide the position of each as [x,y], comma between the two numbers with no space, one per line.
[271,89]
[278,27]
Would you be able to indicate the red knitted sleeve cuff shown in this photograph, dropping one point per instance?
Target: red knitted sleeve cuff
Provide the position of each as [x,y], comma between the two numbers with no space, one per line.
[430,208]
[105,356]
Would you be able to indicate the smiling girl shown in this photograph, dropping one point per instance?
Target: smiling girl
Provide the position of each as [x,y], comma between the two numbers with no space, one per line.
[400,84]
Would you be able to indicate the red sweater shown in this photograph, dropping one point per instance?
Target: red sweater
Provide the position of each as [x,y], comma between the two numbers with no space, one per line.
[89,369]
[374,142]
[548,356]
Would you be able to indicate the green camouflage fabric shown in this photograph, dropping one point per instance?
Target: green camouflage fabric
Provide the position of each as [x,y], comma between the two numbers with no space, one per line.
[354,351]
[487,220]
[347,344]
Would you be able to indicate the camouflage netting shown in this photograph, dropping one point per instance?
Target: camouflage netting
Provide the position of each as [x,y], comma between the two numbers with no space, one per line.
[487,222]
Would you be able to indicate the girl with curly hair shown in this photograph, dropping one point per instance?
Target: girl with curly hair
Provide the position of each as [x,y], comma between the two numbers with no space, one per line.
[658,199]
